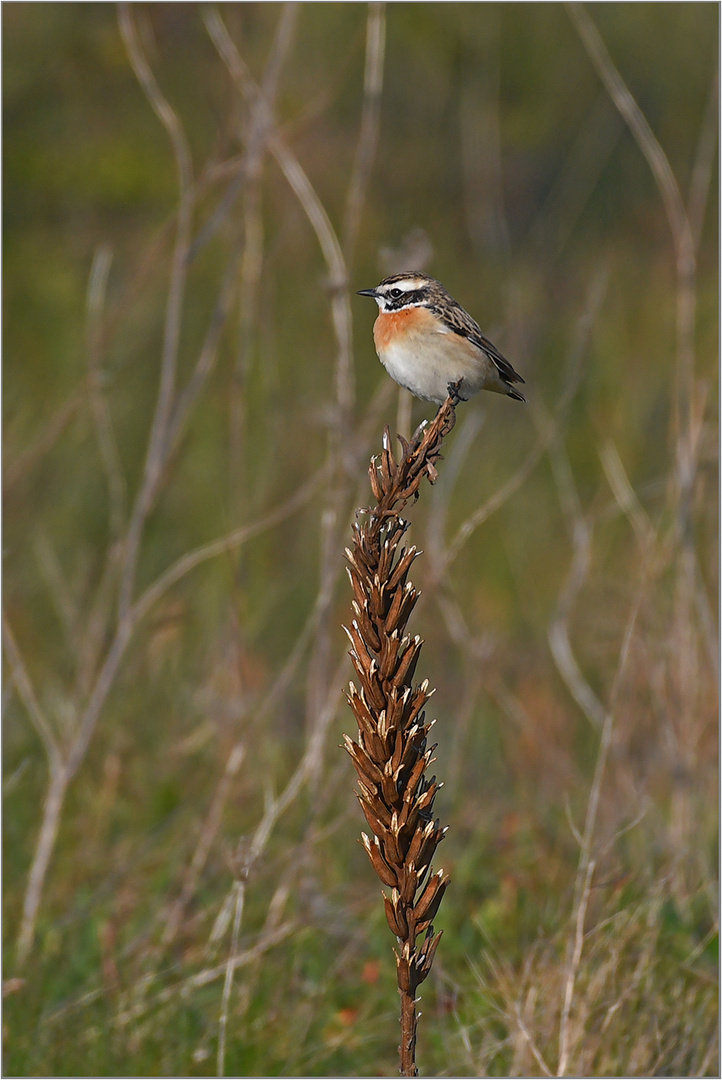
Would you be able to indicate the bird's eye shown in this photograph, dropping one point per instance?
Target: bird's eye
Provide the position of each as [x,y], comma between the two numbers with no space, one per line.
[395,293]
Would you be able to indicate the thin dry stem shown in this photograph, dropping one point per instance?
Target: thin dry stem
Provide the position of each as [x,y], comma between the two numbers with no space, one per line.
[548,427]
[577,177]
[701,179]
[61,594]
[308,634]
[26,691]
[336,491]
[205,840]
[240,895]
[52,810]
[639,126]
[559,635]
[481,151]
[233,540]
[369,133]
[17,470]
[126,627]
[587,863]
[158,439]
[207,356]
[312,206]
[683,240]
[105,434]
[208,975]
[256,144]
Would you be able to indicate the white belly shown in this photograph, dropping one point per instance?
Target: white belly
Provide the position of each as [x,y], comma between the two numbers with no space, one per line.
[426,365]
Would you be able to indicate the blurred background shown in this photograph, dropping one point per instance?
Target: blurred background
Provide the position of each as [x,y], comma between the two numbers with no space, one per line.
[192,197]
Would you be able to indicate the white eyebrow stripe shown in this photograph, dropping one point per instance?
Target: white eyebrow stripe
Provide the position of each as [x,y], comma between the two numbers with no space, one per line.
[405,286]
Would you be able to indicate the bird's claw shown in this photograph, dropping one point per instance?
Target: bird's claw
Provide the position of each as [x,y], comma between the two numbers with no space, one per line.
[453,391]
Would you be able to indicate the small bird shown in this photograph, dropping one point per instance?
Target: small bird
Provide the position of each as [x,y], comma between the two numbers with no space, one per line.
[430,345]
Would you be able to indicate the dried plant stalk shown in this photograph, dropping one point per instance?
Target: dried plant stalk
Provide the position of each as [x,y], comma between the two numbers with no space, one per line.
[392,752]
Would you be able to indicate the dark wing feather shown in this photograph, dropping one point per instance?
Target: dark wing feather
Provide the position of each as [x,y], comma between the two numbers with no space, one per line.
[458,320]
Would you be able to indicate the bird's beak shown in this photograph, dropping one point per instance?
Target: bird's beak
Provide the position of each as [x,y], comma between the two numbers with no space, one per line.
[366,292]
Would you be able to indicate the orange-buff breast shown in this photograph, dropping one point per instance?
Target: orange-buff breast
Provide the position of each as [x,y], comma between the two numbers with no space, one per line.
[392,325]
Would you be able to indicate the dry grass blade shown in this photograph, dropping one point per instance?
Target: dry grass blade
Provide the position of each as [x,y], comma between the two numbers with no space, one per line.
[392,753]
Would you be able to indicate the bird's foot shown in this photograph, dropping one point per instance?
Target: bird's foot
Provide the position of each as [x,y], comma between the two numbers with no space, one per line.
[453,391]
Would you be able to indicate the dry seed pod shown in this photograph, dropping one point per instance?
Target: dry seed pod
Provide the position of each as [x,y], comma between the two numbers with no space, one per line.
[392,752]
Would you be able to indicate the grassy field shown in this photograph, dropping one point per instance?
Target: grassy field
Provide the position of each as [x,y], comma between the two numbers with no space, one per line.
[193,195]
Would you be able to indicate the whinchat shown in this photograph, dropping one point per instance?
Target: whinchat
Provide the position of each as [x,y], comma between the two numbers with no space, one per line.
[430,345]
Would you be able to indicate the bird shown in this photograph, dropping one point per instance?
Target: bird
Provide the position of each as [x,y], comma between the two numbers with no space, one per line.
[428,343]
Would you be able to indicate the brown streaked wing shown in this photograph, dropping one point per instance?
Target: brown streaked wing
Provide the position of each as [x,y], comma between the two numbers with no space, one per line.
[458,320]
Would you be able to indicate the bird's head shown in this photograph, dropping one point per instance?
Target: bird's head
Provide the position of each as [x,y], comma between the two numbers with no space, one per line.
[403,291]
